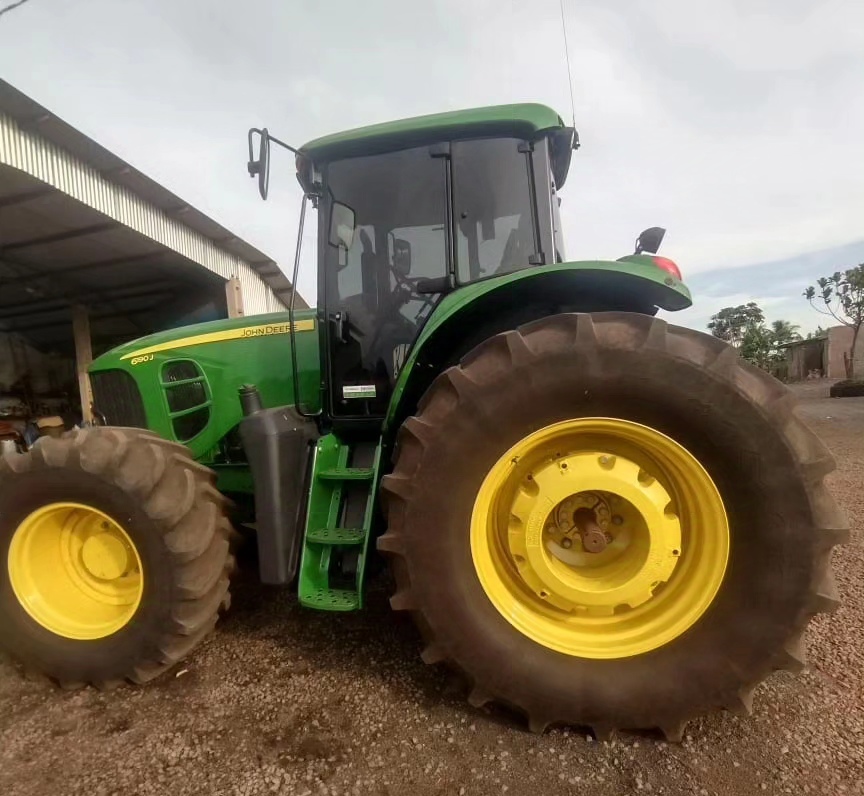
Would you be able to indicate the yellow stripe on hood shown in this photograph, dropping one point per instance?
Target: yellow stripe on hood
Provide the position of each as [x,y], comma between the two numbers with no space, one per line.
[225,335]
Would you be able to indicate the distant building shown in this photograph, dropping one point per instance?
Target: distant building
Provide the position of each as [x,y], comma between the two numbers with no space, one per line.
[823,355]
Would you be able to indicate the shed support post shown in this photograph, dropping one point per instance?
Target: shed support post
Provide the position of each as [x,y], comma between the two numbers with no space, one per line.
[234,294]
[83,358]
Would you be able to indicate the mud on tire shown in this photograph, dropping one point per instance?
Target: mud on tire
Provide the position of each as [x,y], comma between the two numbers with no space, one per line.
[737,421]
[173,514]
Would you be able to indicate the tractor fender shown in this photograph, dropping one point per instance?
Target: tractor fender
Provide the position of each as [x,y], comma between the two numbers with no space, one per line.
[466,317]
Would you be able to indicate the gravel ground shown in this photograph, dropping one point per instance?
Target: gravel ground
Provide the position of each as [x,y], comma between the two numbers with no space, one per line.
[281,700]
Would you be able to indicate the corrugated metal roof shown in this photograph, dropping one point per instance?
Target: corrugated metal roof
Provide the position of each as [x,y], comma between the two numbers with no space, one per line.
[56,251]
[35,141]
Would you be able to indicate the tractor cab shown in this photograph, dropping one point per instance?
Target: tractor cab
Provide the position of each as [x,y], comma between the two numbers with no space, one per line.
[411,211]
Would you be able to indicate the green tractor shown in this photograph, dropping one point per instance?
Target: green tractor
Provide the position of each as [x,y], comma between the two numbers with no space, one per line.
[597,518]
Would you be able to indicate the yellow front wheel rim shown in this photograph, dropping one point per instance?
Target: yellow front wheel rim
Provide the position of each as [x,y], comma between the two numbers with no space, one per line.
[599,538]
[75,571]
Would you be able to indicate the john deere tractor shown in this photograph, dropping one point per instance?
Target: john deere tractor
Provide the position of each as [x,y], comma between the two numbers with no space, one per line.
[597,518]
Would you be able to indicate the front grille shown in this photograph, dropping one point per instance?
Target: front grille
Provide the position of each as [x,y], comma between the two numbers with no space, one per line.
[186,396]
[117,399]
[188,426]
[180,370]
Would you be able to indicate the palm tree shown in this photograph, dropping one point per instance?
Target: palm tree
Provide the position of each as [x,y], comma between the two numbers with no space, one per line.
[784,332]
[781,332]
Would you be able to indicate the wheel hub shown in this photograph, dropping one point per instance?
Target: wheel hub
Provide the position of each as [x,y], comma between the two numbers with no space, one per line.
[105,556]
[594,539]
[583,518]
[565,499]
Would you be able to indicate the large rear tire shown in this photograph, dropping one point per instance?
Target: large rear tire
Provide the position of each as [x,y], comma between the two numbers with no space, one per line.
[721,487]
[114,556]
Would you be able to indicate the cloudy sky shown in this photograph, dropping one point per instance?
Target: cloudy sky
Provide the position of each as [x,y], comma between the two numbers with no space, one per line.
[738,125]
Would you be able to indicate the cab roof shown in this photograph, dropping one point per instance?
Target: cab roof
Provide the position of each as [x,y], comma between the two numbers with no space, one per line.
[522,120]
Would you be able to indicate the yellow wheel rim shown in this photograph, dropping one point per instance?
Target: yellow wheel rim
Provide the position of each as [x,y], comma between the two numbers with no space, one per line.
[599,538]
[75,571]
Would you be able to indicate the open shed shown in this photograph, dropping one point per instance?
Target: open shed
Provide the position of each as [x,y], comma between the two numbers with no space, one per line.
[94,253]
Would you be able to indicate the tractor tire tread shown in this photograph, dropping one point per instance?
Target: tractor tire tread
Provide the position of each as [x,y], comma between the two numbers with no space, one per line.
[515,351]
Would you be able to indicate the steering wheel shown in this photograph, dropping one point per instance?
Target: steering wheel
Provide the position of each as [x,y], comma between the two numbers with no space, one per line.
[406,290]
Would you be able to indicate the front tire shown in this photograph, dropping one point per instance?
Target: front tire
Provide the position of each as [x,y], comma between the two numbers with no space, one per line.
[764,553]
[115,556]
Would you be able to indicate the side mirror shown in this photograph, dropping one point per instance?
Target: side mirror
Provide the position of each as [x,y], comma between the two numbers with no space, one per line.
[343,225]
[649,240]
[401,257]
[260,166]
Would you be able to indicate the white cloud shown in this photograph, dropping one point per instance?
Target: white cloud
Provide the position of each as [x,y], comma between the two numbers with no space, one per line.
[736,125]
[775,286]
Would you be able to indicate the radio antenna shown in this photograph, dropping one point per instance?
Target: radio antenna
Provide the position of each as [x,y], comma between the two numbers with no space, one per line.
[567,59]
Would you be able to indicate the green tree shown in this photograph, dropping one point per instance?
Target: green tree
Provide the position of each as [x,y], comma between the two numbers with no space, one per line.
[744,327]
[761,344]
[842,294]
[756,346]
[731,323]
[784,332]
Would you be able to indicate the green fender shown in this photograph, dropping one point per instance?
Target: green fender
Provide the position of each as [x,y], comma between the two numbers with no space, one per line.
[633,283]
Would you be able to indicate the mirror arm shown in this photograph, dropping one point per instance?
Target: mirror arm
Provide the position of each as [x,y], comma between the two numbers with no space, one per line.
[261,165]
[269,138]
[285,146]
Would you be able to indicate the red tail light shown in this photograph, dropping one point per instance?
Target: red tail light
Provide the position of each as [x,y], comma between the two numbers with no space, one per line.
[665,264]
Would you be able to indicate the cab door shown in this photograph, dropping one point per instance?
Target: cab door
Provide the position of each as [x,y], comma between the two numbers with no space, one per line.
[372,304]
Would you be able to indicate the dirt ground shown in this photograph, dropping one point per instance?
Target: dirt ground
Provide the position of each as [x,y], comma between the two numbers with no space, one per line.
[284,700]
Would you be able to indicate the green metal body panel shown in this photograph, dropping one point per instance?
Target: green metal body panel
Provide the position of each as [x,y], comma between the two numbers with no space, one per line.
[251,350]
[638,273]
[524,120]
